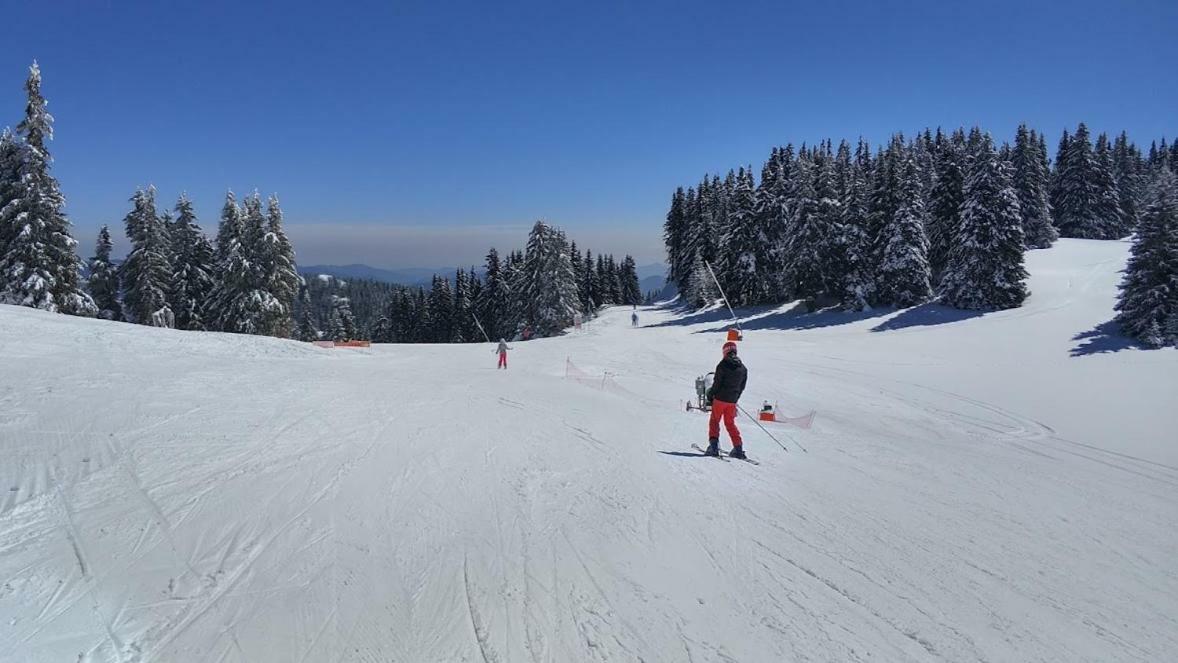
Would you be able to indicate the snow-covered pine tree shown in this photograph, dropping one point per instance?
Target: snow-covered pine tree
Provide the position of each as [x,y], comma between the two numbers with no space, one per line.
[382,331]
[1078,193]
[885,187]
[475,287]
[587,284]
[944,214]
[281,275]
[441,305]
[10,167]
[628,274]
[493,305]
[1127,171]
[242,303]
[723,216]
[810,232]
[686,248]
[770,217]
[702,238]
[343,323]
[741,246]
[548,284]
[675,237]
[604,293]
[925,154]
[1148,303]
[513,314]
[850,247]
[39,265]
[306,329]
[1043,156]
[702,290]
[192,268]
[103,283]
[1108,205]
[613,276]
[829,216]
[903,275]
[147,272]
[985,268]
[578,268]
[228,237]
[462,331]
[230,229]
[1055,193]
[1031,185]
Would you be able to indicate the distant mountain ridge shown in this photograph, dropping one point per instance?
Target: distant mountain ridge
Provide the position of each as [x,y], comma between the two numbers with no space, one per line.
[406,276]
[651,276]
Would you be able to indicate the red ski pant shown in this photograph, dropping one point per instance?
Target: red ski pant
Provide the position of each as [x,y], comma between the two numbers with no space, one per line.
[502,360]
[727,412]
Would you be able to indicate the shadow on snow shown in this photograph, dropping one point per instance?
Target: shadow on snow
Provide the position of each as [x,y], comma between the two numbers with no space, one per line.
[927,315]
[1105,337]
[684,454]
[692,316]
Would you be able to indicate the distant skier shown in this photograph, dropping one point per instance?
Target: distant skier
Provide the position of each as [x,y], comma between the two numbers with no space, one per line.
[633,319]
[502,350]
[727,386]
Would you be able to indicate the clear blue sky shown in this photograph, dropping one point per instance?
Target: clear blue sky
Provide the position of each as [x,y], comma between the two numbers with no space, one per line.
[413,134]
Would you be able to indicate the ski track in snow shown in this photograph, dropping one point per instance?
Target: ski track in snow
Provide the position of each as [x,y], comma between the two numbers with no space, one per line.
[972,492]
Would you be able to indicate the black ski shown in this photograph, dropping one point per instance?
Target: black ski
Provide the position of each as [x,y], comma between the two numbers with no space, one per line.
[704,453]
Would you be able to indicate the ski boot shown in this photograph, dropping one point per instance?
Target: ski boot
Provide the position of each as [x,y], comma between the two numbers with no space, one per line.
[713,447]
[737,452]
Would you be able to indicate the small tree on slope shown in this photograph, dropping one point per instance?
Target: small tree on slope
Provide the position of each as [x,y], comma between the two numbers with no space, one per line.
[1148,303]
[104,279]
[986,262]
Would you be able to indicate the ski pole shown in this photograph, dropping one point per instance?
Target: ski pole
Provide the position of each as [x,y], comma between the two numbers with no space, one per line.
[766,431]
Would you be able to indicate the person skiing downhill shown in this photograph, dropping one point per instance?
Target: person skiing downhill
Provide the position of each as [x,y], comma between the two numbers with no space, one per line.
[633,319]
[502,350]
[727,386]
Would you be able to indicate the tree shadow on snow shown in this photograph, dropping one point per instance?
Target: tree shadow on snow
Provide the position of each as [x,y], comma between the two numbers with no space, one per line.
[798,317]
[690,316]
[1105,337]
[927,315]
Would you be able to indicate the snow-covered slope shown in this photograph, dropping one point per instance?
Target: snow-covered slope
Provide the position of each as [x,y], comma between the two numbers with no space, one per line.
[1000,487]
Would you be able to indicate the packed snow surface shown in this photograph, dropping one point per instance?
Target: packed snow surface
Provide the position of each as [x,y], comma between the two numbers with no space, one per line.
[998,487]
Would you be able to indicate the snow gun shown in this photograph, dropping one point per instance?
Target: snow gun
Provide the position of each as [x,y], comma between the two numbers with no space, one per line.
[702,384]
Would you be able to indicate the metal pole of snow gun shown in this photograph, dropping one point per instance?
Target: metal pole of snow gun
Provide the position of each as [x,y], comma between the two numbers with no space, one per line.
[719,287]
[476,321]
[766,431]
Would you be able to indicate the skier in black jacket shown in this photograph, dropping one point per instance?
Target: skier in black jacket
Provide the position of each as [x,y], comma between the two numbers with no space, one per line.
[726,389]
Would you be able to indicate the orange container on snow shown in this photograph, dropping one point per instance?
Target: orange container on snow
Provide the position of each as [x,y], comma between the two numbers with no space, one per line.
[766,413]
[734,335]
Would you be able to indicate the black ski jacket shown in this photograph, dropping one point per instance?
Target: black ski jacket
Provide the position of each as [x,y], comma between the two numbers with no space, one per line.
[728,384]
